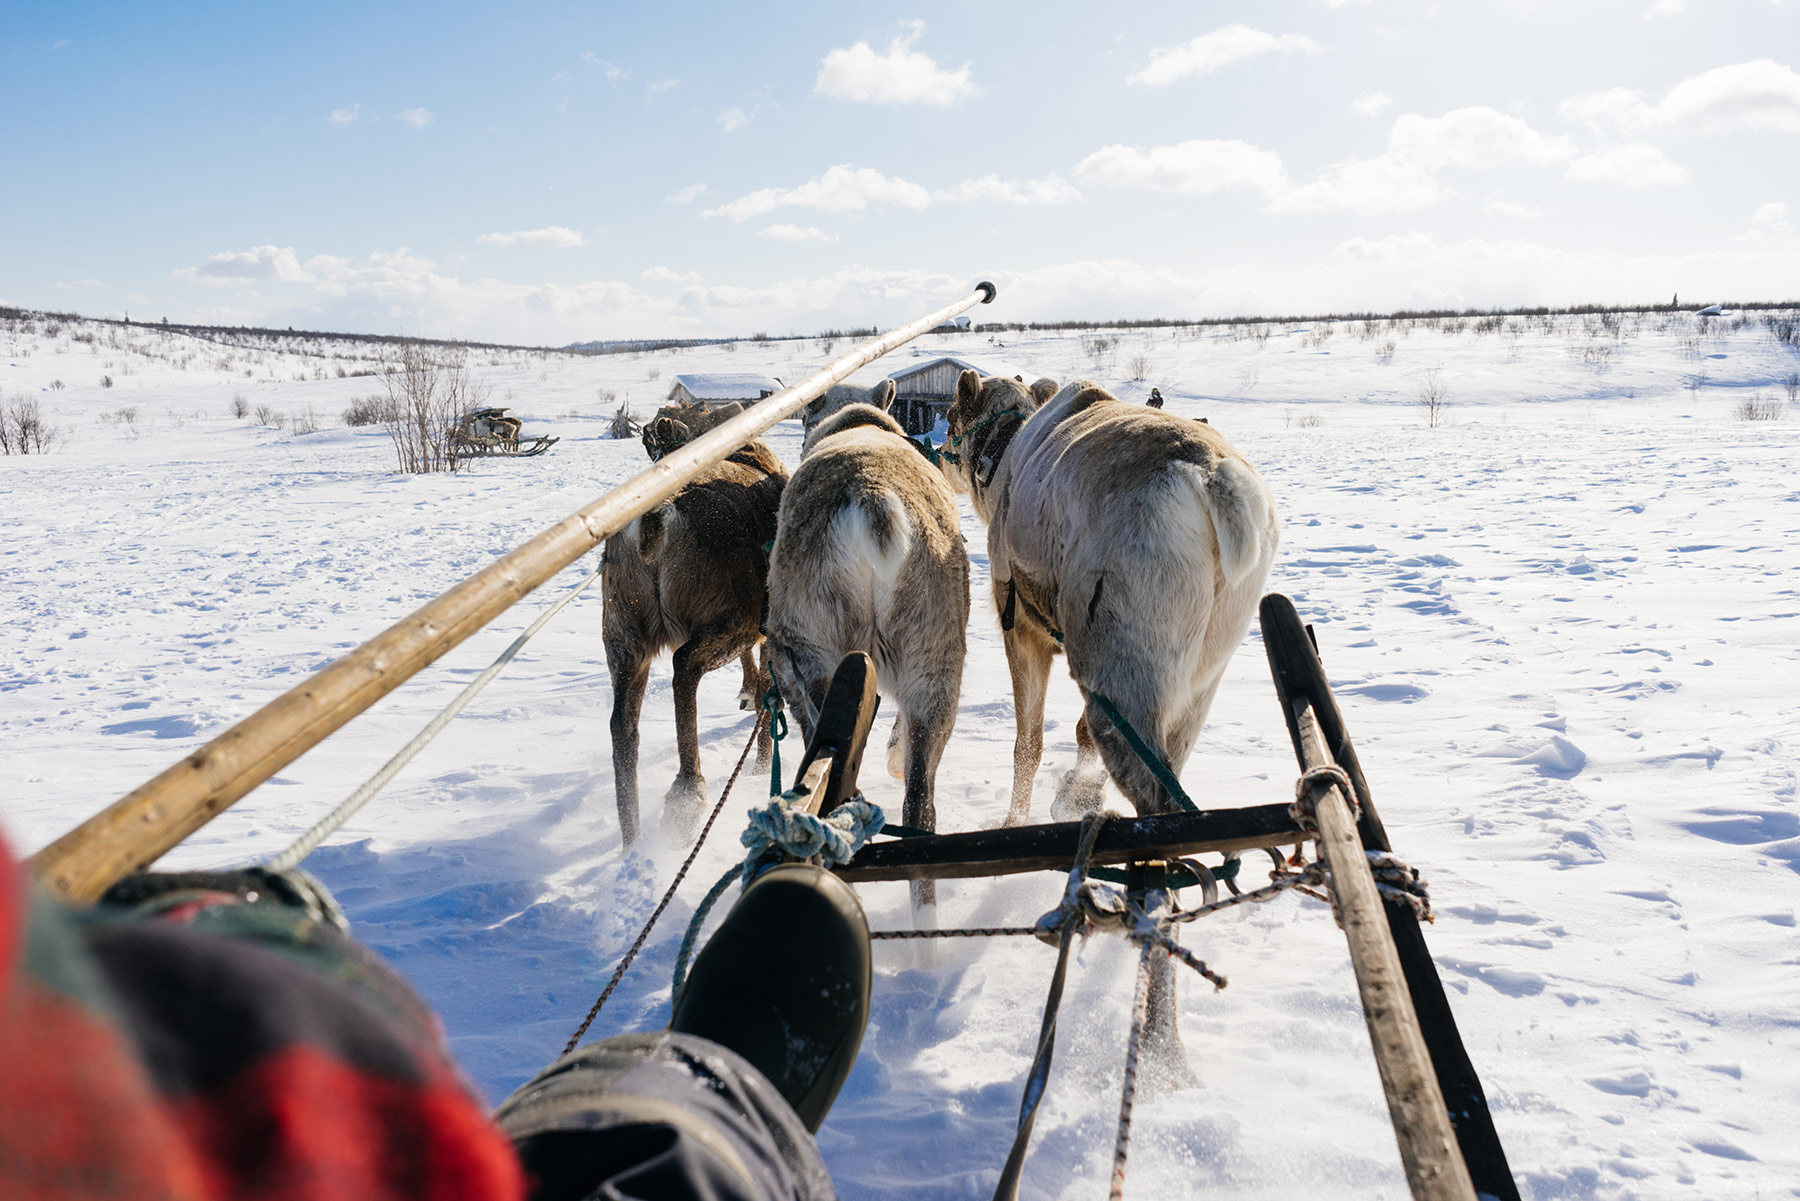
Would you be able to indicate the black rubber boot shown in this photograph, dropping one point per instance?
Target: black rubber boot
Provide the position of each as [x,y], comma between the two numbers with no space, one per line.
[784,982]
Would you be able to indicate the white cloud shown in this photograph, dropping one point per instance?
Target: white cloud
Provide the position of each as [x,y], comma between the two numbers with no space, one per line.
[732,120]
[661,86]
[346,116]
[271,263]
[613,74]
[1052,189]
[1494,206]
[1478,138]
[68,285]
[1635,164]
[418,118]
[1769,224]
[685,195]
[1761,95]
[796,233]
[1375,185]
[668,275]
[394,290]
[900,75]
[1197,168]
[842,189]
[1404,176]
[1368,106]
[1211,51]
[550,235]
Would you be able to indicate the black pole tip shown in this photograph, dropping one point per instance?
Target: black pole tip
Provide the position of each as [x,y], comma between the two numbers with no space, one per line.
[990,289]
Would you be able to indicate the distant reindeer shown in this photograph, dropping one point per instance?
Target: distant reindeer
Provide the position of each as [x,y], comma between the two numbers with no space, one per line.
[676,425]
[869,557]
[691,574]
[1137,542]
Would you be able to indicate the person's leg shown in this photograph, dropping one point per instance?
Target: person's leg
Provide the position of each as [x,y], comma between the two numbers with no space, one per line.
[722,1104]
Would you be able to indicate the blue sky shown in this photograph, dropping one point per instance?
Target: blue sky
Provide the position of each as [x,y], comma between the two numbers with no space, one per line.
[546,173]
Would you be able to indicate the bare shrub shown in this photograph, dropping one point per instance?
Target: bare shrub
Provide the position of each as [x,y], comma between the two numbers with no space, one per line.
[106,381]
[430,394]
[1140,366]
[305,422]
[1384,354]
[264,414]
[1758,408]
[1792,384]
[653,373]
[1311,421]
[23,430]
[370,410]
[1100,349]
[126,417]
[1247,377]
[240,407]
[1432,396]
[56,385]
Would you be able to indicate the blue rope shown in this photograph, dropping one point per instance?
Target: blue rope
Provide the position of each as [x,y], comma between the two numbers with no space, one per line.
[778,832]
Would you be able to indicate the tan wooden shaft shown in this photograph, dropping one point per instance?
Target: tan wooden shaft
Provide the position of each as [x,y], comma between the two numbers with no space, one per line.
[1434,1164]
[136,830]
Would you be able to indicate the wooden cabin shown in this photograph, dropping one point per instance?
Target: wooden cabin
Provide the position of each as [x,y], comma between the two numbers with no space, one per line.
[717,388]
[925,390]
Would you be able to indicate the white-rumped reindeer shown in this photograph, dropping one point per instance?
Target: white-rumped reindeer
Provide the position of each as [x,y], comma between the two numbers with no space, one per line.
[1132,540]
[869,557]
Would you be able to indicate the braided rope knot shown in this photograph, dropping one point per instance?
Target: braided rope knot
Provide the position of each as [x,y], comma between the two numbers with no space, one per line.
[1302,811]
[778,830]
[1096,905]
[1400,884]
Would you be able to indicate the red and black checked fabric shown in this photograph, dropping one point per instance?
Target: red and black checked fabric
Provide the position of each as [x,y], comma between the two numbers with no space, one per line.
[222,1050]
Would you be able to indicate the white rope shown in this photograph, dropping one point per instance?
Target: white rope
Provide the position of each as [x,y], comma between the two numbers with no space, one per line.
[307,842]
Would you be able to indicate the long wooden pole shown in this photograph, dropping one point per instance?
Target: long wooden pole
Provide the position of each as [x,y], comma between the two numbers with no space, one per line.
[146,822]
[1434,1164]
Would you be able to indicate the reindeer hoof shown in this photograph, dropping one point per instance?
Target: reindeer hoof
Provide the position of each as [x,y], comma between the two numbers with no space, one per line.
[1077,795]
[896,754]
[683,808]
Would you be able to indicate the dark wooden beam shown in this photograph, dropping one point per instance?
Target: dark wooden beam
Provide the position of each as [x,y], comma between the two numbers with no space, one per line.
[1052,847]
[1301,684]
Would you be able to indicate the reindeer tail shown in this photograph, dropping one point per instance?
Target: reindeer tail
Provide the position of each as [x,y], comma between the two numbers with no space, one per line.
[652,530]
[1243,519]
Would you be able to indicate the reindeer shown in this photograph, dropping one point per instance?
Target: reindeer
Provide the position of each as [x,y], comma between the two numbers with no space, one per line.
[676,425]
[869,557]
[1137,543]
[692,575]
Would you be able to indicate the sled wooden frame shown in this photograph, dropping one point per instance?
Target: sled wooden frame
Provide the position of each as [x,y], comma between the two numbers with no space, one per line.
[139,828]
[1446,1134]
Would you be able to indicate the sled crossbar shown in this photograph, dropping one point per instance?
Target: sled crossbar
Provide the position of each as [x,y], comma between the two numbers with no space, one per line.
[1051,847]
[136,830]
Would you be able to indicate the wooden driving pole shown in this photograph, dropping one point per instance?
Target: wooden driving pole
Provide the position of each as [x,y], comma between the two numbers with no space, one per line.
[1434,1164]
[136,830]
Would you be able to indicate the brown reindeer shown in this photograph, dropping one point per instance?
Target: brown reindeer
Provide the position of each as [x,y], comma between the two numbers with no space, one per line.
[869,557]
[692,575]
[1137,543]
[676,425]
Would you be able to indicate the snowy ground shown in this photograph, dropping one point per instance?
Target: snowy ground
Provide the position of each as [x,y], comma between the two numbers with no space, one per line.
[1564,627]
